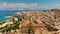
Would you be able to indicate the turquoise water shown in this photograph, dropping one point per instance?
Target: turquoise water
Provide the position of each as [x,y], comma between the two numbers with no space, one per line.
[4,13]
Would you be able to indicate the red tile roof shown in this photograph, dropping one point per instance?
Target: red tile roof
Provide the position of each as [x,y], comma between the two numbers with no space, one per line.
[26,23]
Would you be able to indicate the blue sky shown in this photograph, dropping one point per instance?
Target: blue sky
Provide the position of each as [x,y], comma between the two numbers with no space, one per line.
[30,4]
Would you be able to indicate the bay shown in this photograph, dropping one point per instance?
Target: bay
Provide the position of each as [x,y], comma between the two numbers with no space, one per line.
[4,13]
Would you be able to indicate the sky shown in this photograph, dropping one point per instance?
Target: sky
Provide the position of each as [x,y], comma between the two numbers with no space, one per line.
[29,4]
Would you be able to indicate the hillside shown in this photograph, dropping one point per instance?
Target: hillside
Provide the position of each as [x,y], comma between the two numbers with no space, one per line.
[51,19]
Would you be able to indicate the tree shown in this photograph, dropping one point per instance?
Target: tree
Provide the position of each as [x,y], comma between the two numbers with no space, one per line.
[31,29]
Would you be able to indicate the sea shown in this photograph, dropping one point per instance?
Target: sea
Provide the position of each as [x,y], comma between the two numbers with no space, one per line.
[4,13]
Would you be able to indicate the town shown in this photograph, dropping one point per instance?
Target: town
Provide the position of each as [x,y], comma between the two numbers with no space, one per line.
[34,22]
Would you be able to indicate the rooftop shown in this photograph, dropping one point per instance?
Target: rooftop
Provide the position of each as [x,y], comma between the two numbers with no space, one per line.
[27,21]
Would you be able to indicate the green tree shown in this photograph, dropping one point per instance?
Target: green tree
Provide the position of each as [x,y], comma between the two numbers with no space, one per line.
[31,29]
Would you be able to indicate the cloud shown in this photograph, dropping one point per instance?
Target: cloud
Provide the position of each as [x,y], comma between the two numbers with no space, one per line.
[19,6]
[25,6]
[52,6]
[56,6]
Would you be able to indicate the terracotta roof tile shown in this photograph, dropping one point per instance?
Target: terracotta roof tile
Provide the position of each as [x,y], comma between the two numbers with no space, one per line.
[26,23]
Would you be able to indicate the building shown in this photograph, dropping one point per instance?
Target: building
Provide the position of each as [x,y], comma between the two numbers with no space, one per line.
[39,28]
